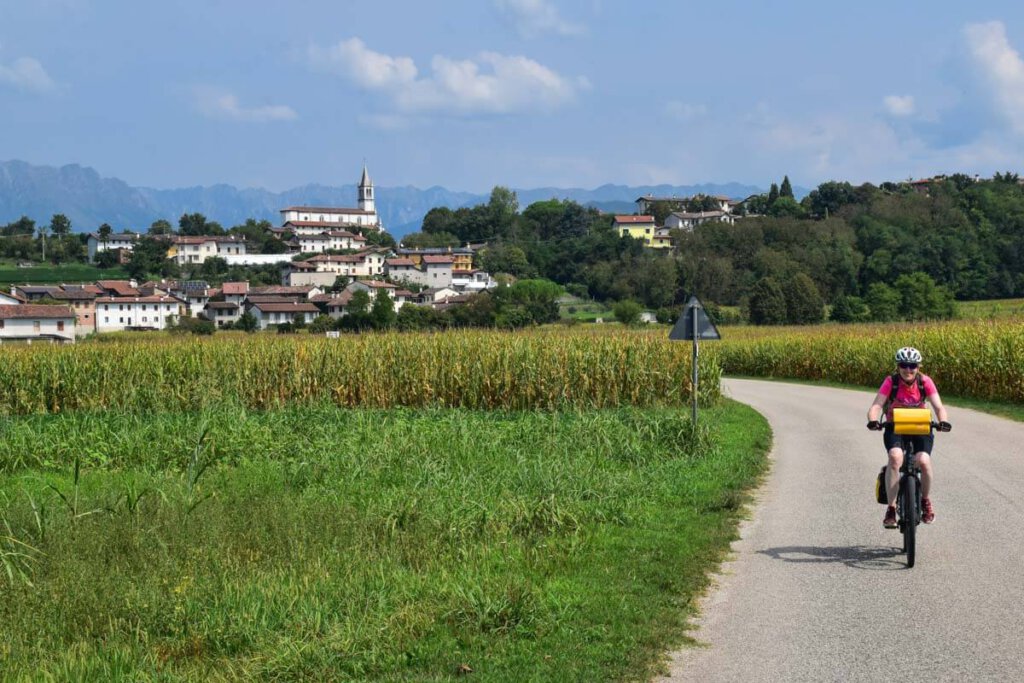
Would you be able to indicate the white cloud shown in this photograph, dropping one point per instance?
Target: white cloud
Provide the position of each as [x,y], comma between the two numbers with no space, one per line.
[532,18]
[352,59]
[899,105]
[1002,69]
[26,73]
[217,104]
[492,83]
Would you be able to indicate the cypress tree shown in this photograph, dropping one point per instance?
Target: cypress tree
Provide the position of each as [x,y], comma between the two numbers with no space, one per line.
[786,190]
[773,194]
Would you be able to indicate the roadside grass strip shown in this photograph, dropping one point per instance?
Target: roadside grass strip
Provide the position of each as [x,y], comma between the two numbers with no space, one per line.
[317,543]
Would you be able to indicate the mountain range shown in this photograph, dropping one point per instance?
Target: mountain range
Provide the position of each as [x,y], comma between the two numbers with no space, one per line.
[80,193]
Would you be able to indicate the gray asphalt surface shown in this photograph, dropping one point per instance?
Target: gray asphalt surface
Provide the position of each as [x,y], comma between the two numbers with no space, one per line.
[817,590]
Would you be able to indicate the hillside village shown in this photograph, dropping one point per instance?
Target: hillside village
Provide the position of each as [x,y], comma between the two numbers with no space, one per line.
[435,278]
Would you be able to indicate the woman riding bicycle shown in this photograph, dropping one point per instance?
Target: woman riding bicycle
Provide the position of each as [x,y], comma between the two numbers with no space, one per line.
[907,388]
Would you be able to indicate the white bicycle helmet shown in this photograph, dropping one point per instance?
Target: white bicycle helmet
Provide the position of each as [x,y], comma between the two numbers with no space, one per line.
[908,354]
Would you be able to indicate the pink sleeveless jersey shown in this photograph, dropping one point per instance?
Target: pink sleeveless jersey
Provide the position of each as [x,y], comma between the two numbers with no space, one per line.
[907,396]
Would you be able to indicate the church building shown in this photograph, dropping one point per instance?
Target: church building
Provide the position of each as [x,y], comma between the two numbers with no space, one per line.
[316,219]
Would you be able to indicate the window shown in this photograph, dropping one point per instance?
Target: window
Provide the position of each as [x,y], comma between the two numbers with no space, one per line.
[1,324]
[60,325]
[106,319]
[121,320]
[106,307]
[144,319]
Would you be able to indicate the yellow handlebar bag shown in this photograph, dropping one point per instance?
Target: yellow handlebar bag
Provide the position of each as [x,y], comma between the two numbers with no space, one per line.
[912,421]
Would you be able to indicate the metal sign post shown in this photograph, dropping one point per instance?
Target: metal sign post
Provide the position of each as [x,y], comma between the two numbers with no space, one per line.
[694,324]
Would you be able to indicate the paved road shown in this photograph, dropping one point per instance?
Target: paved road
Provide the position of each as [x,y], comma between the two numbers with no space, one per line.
[817,590]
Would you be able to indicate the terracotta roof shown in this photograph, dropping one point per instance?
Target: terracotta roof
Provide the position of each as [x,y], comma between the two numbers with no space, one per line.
[399,262]
[634,219]
[119,287]
[301,265]
[272,299]
[11,311]
[376,284]
[403,292]
[282,289]
[287,308]
[225,305]
[343,299]
[438,259]
[321,209]
[337,258]
[73,295]
[16,297]
[139,300]
[235,288]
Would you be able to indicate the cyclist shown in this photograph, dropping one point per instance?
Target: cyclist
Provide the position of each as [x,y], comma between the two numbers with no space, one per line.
[908,387]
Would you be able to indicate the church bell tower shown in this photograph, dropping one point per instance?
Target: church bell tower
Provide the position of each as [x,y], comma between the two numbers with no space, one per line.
[366,192]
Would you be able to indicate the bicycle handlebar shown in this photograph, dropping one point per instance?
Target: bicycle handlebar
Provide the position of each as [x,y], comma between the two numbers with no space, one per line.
[941,425]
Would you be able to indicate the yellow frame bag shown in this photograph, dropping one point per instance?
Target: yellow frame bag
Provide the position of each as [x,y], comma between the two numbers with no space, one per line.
[912,421]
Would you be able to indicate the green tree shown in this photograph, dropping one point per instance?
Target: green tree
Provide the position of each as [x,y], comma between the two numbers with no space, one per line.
[359,304]
[786,206]
[627,312]
[161,227]
[922,299]
[804,305]
[148,256]
[773,194]
[786,190]
[60,225]
[104,232]
[382,313]
[247,322]
[849,309]
[767,303]
[883,301]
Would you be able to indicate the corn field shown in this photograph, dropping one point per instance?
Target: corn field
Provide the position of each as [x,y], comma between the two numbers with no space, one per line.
[469,369]
[972,359]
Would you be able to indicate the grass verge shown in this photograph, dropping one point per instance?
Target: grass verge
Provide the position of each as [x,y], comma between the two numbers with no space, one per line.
[325,544]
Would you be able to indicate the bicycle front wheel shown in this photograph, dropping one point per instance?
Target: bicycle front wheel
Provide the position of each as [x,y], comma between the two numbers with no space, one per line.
[909,518]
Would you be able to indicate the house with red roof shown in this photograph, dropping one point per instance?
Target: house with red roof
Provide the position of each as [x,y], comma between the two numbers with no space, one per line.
[36,323]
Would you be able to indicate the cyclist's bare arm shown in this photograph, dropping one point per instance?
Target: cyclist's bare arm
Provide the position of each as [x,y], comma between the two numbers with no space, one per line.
[875,411]
[940,410]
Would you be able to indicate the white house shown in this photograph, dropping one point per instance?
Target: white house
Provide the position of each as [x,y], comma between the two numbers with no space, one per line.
[95,244]
[682,220]
[188,249]
[11,299]
[365,216]
[436,270]
[277,313]
[473,281]
[331,239]
[116,313]
[33,322]
[367,263]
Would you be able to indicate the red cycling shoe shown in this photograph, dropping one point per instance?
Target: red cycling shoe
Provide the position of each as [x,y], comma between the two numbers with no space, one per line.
[890,517]
[929,511]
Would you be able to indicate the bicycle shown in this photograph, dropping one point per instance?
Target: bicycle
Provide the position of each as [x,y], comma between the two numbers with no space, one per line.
[909,422]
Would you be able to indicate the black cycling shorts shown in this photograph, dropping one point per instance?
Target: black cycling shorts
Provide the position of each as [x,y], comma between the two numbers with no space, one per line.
[921,442]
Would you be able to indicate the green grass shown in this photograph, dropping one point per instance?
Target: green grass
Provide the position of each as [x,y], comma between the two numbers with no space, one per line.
[991,309]
[53,275]
[325,544]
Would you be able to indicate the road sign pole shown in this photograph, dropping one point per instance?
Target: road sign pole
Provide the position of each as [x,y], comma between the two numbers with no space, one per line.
[693,388]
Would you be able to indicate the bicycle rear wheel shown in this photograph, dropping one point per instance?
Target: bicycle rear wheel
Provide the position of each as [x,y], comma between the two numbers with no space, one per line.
[908,515]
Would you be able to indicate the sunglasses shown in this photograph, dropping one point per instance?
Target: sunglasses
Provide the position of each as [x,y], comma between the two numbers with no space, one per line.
[908,366]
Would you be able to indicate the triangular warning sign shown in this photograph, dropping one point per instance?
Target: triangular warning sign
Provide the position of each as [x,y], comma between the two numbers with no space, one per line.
[684,326]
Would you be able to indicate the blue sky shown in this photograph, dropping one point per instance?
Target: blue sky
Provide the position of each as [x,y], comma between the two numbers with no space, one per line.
[528,93]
